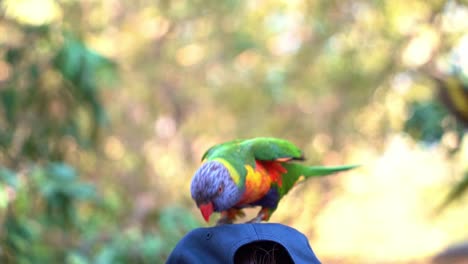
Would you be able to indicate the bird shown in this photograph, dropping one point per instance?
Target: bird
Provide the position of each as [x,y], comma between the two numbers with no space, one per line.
[251,172]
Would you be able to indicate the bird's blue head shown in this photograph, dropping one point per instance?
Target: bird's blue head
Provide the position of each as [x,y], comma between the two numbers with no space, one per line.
[213,188]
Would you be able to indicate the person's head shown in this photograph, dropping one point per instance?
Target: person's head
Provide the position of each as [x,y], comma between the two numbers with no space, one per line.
[243,243]
[262,252]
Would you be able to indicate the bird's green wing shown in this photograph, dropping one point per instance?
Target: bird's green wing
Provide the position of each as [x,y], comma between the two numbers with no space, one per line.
[273,149]
[219,148]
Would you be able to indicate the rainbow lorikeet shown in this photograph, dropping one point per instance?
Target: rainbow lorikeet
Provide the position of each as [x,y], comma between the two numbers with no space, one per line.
[247,173]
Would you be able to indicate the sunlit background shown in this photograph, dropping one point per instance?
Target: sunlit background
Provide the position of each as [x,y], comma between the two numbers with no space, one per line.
[108,106]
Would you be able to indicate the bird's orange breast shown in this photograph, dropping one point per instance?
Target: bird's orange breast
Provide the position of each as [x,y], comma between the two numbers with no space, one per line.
[257,184]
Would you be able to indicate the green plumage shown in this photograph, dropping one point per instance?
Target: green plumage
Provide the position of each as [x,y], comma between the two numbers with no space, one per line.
[263,170]
[241,152]
[263,148]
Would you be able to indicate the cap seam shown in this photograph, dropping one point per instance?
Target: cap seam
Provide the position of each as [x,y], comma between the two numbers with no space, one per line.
[254,229]
[253,237]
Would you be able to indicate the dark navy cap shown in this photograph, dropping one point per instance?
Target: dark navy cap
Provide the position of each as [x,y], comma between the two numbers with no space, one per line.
[219,244]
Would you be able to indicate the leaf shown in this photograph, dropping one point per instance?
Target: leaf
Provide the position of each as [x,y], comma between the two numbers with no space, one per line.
[20,235]
[13,55]
[9,98]
[425,123]
[82,191]
[76,258]
[68,59]
[457,191]
[81,65]
[6,138]
[61,171]
[152,246]
[107,255]
[9,177]
[242,41]
[176,221]
[48,189]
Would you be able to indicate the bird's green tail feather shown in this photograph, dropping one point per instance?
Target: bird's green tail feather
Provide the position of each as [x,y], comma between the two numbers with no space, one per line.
[295,171]
[315,171]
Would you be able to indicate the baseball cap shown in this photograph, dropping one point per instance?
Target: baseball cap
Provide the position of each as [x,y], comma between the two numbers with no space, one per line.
[219,244]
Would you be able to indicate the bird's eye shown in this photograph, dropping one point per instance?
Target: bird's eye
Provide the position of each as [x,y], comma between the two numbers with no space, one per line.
[220,189]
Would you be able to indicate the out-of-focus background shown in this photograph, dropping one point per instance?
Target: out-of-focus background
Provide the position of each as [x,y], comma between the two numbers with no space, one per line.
[106,108]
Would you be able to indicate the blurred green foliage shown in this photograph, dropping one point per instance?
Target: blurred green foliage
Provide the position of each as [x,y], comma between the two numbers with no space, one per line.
[51,105]
[446,112]
[425,122]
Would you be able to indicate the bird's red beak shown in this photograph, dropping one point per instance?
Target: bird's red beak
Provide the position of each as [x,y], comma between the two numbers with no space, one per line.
[206,210]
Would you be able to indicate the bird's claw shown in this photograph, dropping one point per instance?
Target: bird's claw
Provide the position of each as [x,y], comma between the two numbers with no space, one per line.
[224,221]
[254,220]
[258,218]
[229,216]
